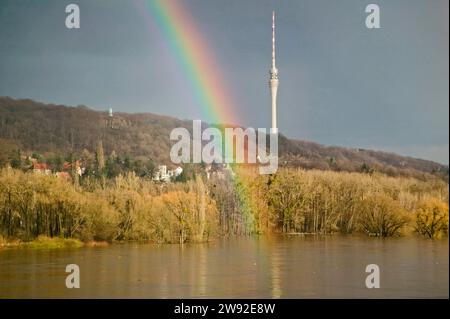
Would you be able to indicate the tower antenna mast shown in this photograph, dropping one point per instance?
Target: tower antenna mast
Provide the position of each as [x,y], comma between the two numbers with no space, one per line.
[273,40]
[273,82]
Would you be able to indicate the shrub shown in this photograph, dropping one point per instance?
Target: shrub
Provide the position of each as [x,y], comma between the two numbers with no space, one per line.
[382,216]
[432,218]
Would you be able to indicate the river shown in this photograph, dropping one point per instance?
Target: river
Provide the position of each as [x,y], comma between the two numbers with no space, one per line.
[276,267]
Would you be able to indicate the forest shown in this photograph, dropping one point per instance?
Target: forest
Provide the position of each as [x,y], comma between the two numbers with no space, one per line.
[292,201]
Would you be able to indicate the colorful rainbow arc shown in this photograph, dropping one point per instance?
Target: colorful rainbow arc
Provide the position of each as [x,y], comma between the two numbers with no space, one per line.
[193,56]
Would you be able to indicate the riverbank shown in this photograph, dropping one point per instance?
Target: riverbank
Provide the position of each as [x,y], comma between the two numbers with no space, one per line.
[44,242]
[56,243]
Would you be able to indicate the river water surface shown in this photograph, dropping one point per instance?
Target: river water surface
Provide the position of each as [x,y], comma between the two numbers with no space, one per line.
[280,267]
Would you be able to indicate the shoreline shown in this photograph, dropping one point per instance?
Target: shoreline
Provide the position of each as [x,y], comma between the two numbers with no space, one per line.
[44,242]
[49,243]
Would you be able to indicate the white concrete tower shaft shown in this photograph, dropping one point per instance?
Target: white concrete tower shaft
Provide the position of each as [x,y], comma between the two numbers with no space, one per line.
[273,82]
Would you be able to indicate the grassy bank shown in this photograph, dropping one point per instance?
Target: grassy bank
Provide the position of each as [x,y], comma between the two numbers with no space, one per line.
[42,242]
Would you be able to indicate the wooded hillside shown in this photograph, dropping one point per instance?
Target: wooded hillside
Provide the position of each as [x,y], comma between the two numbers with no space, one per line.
[36,127]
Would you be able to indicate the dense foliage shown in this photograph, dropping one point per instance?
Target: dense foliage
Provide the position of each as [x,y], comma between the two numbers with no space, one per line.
[299,201]
[128,207]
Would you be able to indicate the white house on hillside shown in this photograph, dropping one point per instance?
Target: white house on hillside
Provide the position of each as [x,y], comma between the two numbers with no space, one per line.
[165,175]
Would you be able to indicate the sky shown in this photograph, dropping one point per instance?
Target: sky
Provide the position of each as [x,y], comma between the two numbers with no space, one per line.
[340,82]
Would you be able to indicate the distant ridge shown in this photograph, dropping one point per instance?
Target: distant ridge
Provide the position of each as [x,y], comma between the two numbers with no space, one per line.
[35,126]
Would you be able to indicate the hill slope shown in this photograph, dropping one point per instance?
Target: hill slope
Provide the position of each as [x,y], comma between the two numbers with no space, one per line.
[34,126]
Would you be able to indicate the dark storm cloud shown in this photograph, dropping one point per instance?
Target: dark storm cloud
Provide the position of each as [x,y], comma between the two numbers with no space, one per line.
[340,83]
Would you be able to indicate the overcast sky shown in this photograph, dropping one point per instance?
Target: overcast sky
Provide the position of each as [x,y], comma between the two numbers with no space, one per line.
[340,83]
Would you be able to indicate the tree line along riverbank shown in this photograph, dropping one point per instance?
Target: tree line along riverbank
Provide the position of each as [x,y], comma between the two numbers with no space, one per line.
[34,207]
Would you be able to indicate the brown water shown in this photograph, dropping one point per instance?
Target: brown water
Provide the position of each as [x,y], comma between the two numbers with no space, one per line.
[295,267]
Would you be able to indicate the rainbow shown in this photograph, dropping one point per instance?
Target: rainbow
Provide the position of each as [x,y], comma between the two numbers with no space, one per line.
[195,59]
[193,56]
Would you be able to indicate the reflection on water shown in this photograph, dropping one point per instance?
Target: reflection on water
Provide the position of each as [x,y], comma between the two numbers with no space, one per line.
[279,267]
[276,274]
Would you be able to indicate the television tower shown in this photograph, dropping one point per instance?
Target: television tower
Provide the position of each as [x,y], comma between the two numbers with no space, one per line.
[273,82]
